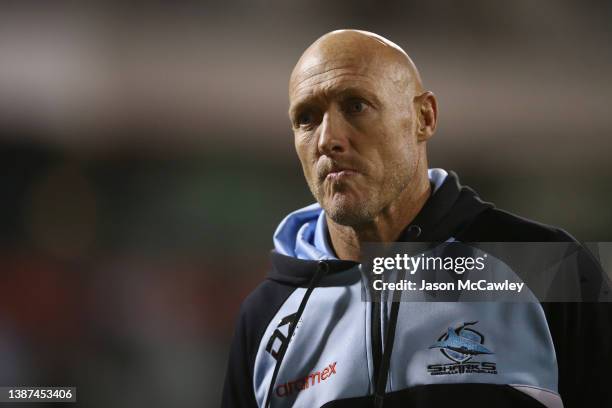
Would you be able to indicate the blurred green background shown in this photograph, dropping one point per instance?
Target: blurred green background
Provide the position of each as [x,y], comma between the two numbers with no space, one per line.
[146,159]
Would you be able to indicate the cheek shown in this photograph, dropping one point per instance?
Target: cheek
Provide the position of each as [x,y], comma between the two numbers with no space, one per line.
[400,121]
[305,153]
[301,147]
[304,142]
[407,125]
[393,158]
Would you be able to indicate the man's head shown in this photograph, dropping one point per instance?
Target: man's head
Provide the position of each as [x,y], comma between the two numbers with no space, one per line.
[360,119]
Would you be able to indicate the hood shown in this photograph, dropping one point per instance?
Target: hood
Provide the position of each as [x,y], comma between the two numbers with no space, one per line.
[301,239]
[303,233]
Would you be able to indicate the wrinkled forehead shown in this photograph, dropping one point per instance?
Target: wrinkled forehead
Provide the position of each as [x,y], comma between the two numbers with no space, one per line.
[320,70]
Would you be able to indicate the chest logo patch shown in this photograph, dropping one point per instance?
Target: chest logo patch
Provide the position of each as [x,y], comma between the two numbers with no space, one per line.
[461,345]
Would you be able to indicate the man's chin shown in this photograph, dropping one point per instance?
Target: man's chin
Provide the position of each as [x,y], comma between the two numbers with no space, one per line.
[347,214]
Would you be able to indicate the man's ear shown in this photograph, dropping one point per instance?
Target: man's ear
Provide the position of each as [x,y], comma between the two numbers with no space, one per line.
[427,115]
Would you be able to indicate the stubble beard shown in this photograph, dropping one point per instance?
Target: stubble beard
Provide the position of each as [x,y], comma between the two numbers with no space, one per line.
[347,210]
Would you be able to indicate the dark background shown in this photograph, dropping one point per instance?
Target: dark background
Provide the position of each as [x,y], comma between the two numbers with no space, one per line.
[146,159]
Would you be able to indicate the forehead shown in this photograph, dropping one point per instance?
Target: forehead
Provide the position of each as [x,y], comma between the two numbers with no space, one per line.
[319,76]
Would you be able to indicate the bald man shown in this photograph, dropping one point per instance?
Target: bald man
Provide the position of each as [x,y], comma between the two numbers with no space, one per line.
[361,119]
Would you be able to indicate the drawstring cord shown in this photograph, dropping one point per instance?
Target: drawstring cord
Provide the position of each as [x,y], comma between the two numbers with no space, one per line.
[381,383]
[414,231]
[322,269]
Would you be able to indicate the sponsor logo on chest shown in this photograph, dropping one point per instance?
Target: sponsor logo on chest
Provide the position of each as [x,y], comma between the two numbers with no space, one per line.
[311,380]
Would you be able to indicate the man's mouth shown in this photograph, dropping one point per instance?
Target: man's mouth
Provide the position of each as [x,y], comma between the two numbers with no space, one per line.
[337,175]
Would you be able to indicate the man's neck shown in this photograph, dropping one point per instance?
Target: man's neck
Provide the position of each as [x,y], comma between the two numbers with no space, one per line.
[387,226]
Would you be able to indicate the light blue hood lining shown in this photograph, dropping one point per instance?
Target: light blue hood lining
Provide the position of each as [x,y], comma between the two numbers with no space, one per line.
[303,233]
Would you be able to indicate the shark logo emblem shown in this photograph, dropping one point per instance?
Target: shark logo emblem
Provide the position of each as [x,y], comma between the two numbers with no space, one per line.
[461,344]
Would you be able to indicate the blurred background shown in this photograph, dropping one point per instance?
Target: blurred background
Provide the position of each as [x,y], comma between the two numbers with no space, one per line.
[146,158]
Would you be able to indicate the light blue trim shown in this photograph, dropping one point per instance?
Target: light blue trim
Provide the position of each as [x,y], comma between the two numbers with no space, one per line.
[437,176]
[303,234]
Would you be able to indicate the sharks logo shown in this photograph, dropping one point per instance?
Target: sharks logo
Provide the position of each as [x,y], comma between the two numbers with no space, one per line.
[461,344]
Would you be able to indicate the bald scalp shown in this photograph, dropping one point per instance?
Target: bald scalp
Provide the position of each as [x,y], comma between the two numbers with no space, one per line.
[362,48]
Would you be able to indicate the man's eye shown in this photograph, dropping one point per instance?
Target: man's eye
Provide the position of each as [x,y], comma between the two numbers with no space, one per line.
[356,106]
[304,118]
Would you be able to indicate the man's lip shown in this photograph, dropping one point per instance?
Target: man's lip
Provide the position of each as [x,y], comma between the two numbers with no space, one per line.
[335,174]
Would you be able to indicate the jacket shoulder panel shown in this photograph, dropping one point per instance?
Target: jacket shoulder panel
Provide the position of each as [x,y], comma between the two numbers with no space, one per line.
[495,225]
[256,312]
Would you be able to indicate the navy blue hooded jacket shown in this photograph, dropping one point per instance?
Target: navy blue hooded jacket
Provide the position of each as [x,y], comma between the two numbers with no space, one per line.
[305,338]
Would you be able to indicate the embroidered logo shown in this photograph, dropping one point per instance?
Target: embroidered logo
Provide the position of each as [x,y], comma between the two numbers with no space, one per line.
[461,345]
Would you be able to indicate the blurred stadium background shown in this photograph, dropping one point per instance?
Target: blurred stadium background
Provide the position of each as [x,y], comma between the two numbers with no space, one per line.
[146,158]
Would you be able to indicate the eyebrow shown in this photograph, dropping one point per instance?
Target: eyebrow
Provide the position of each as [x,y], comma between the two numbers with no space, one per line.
[346,91]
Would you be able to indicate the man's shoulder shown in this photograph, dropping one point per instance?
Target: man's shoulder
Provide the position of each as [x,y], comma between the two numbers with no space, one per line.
[256,312]
[258,309]
[496,225]
[262,303]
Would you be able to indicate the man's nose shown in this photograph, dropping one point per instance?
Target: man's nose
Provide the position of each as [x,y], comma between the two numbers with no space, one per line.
[333,134]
